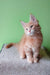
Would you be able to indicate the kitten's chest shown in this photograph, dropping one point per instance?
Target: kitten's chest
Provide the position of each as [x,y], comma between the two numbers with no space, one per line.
[30,42]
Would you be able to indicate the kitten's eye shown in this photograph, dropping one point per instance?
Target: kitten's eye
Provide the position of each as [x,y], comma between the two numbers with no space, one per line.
[31,26]
[26,28]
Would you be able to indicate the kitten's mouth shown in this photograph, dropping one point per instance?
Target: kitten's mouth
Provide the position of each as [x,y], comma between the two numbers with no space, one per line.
[30,33]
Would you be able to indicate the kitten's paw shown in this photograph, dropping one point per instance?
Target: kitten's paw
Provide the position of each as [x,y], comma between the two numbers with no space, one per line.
[22,57]
[30,60]
[35,60]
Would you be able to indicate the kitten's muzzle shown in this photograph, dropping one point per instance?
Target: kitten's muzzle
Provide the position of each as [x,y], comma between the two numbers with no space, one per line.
[29,30]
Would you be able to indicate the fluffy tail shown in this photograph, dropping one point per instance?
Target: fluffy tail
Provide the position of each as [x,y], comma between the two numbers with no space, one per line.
[12,44]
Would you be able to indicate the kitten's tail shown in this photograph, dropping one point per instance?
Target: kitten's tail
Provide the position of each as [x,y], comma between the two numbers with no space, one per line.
[12,44]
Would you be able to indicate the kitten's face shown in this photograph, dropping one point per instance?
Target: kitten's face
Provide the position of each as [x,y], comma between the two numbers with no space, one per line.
[29,28]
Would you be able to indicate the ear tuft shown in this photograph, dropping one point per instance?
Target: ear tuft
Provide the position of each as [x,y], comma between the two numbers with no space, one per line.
[19,20]
[30,13]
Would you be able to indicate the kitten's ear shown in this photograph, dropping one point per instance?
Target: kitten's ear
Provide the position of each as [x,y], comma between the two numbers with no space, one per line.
[23,24]
[33,19]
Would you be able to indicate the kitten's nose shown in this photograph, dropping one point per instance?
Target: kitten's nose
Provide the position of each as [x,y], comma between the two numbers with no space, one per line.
[29,30]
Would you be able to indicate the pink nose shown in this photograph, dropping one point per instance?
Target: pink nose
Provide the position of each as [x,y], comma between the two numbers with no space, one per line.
[29,30]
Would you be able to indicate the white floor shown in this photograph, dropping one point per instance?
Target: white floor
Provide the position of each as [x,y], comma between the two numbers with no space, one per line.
[11,64]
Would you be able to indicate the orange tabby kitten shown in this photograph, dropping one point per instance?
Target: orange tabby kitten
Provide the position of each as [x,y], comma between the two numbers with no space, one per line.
[30,44]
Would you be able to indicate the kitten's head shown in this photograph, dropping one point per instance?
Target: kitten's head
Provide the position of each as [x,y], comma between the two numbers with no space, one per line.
[29,28]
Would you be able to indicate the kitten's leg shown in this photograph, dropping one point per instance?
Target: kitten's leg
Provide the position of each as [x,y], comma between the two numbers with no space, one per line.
[29,58]
[35,56]
[29,55]
[22,54]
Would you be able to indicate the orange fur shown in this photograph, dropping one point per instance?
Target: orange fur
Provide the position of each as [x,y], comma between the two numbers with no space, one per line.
[30,44]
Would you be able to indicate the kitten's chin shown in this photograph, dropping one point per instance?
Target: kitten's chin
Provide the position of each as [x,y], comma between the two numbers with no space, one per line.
[29,34]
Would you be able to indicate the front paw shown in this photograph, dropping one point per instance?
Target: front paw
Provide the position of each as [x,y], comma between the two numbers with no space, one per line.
[35,60]
[22,57]
[30,60]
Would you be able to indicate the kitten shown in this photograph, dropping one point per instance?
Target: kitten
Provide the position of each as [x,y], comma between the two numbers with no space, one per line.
[30,44]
